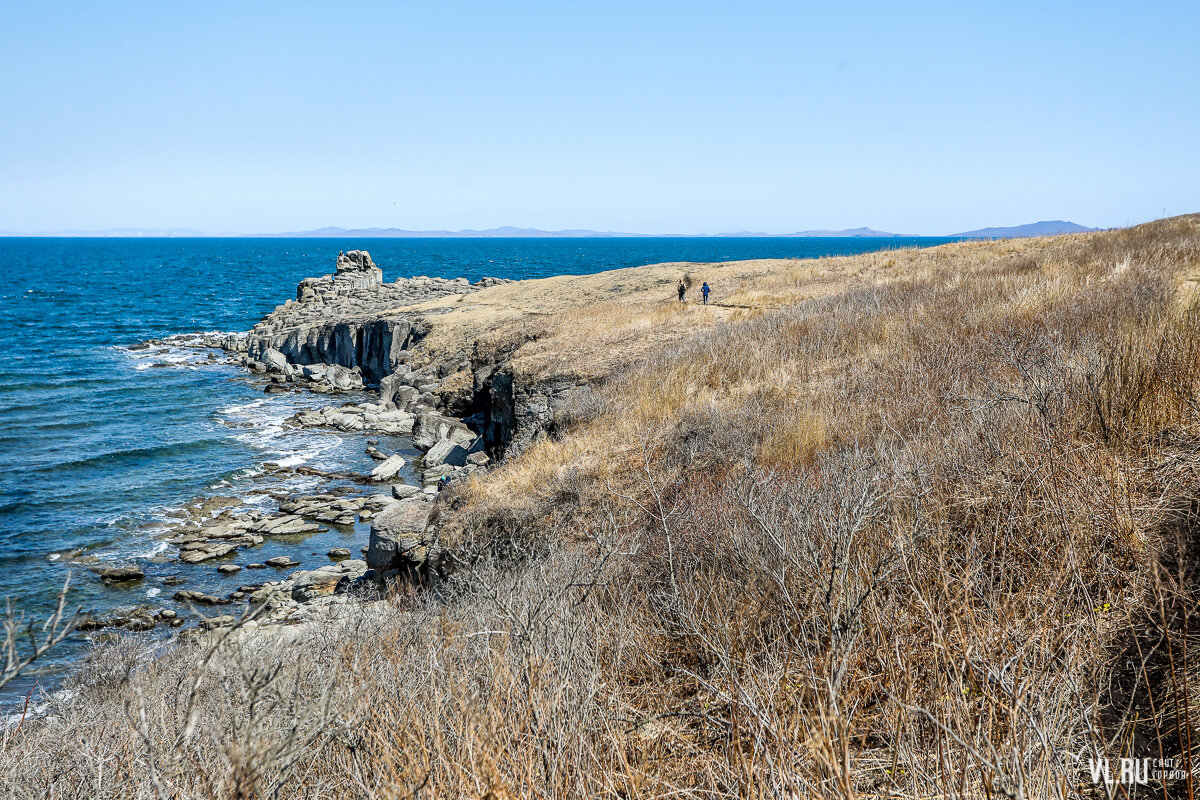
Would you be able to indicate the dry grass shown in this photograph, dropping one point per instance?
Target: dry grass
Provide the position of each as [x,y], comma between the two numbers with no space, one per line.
[915,524]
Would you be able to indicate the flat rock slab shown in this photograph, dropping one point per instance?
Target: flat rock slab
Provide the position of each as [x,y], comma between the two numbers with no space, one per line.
[216,551]
[290,525]
[200,598]
[119,574]
[309,584]
[388,468]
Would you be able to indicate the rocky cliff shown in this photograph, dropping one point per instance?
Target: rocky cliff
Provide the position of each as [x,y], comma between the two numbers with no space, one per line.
[351,319]
[351,330]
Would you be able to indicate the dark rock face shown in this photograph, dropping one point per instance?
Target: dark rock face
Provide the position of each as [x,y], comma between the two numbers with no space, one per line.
[370,345]
[516,416]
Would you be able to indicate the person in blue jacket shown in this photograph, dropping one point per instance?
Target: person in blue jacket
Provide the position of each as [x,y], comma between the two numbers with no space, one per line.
[704,290]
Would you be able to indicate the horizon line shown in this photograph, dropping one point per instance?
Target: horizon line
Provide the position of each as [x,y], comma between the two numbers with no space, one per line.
[1042,227]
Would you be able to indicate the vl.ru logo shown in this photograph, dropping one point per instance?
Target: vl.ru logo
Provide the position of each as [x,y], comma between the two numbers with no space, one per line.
[1136,771]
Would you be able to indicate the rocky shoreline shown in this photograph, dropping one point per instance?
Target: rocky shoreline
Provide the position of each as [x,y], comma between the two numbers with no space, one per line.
[343,333]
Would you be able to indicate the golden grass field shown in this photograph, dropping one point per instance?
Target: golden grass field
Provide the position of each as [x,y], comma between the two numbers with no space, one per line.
[917,524]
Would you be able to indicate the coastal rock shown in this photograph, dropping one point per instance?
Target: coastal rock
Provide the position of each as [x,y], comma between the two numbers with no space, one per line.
[391,421]
[309,584]
[204,551]
[398,535]
[119,574]
[199,598]
[394,390]
[446,452]
[429,429]
[343,378]
[339,553]
[273,593]
[389,469]
[377,502]
[275,360]
[140,620]
[366,417]
[349,319]
[356,270]
[314,372]
[281,562]
[290,525]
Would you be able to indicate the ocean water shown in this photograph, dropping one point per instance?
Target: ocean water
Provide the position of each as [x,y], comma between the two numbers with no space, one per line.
[100,444]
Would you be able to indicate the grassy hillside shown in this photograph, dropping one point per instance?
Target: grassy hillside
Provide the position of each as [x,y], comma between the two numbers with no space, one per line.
[908,524]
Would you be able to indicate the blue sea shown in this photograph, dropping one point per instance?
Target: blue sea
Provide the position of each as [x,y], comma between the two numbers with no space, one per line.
[101,444]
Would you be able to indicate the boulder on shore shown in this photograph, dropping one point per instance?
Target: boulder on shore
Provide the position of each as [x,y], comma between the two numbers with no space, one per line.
[327,580]
[275,360]
[429,429]
[398,535]
[446,452]
[388,468]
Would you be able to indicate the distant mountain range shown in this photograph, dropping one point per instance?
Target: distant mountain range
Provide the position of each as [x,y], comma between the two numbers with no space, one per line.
[509,232]
[1044,228]
[1047,228]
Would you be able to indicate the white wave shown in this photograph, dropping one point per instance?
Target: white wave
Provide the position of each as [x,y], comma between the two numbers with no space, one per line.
[187,350]
[244,408]
[157,548]
[290,461]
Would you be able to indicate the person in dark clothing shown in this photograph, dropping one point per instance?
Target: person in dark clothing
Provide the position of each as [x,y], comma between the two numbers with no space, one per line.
[682,291]
[704,291]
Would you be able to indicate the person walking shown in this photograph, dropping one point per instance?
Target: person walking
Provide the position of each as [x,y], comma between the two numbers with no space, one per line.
[704,290]
[682,290]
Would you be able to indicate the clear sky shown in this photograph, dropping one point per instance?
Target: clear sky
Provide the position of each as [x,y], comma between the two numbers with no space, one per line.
[638,116]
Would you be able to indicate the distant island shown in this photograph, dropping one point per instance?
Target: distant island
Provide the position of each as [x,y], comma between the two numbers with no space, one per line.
[1045,228]
[1052,228]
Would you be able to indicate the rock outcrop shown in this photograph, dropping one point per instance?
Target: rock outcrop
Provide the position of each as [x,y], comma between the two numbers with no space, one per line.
[350,319]
[400,539]
[349,330]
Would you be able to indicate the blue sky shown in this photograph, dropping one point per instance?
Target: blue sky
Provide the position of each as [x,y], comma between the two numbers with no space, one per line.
[638,116]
